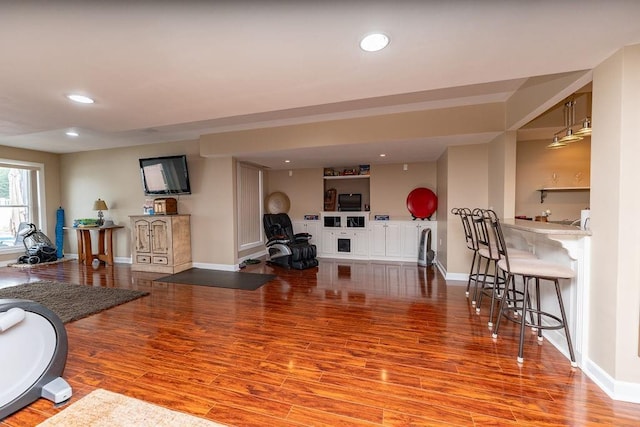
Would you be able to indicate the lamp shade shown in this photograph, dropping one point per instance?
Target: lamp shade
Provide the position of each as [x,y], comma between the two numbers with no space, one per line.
[570,137]
[100,205]
[556,144]
[585,129]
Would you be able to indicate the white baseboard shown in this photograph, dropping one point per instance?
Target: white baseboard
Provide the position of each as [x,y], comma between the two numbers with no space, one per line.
[208,266]
[203,265]
[617,390]
[457,277]
[254,255]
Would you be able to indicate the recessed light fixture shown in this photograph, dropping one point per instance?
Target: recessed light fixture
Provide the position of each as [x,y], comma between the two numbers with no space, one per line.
[82,99]
[287,161]
[374,42]
[383,155]
[72,133]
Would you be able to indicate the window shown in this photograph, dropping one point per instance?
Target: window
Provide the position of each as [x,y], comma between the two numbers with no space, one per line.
[250,233]
[21,188]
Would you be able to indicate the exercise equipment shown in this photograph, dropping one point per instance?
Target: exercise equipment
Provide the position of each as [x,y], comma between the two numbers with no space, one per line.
[422,203]
[59,232]
[38,247]
[34,353]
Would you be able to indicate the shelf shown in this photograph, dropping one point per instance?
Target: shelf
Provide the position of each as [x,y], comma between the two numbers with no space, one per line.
[543,191]
[346,176]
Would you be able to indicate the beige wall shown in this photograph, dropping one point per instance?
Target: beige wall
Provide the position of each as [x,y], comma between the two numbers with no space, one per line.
[304,188]
[444,214]
[615,270]
[535,167]
[467,186]
[474,119]
[387,185]
[502,174]
[391,184]
[51,164]
[114,175]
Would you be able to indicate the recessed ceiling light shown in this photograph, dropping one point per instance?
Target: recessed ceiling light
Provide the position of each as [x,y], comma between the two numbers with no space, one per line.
[287,161]
[82,99]
[383,155]
[72,133]
[374,42]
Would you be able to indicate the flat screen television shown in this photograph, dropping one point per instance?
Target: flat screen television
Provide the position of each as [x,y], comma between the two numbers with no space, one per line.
[349,202]
[165,175]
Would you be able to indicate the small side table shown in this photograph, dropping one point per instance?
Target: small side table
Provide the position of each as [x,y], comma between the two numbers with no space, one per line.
[105,243]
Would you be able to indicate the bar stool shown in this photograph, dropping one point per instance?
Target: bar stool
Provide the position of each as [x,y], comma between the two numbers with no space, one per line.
[538,270]
[465,215]
[488,251]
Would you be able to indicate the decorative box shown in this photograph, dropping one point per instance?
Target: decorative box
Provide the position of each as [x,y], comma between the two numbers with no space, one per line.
[165,206]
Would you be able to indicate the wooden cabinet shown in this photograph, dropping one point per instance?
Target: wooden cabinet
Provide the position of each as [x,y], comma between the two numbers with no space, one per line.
[161,243]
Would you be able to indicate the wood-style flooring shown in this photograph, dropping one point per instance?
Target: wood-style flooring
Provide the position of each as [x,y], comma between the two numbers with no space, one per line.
[346,344]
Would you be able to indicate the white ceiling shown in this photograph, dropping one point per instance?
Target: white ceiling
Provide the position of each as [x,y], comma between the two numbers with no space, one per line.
[166,71]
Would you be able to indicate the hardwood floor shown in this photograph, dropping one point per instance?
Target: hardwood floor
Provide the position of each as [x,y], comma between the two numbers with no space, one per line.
[347,344]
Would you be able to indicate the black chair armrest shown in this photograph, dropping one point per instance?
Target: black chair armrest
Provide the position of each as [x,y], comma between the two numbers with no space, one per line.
[302,237]
[278,239]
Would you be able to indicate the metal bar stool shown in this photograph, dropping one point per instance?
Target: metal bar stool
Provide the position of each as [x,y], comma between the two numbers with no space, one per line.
[465,215]
[538,270]
[488,250]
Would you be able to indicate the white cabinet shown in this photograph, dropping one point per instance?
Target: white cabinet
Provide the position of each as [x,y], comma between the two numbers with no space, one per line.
[345,243]
[398,240]
[386,239]
[344,235]
[360,243]
[311,227]
[411,233]
[161,243]
[328,246]
[352,236]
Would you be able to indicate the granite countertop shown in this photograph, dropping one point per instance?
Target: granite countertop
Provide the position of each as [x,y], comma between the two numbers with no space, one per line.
[544,227]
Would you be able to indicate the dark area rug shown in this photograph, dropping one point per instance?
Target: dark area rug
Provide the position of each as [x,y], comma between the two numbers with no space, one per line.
[219,279]
[71,302]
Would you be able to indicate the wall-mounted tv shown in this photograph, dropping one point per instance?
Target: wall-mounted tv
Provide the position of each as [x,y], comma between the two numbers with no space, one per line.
[165,175]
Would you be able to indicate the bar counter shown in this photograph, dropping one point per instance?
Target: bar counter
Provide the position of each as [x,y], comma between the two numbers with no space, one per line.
[544,227]
[567,245]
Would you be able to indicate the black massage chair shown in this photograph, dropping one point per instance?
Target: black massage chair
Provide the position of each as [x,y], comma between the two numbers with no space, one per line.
[286,248]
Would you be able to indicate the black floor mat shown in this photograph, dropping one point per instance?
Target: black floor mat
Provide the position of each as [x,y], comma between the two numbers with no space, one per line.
[219,279]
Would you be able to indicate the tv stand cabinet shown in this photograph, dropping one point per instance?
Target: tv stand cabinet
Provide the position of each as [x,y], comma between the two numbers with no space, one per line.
[161,243]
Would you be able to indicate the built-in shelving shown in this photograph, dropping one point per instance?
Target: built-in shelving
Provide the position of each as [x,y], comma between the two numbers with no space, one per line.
[543,191]
[346,177]
[346,180]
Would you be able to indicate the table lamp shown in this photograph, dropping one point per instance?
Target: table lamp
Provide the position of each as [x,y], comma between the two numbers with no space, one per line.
[100,205]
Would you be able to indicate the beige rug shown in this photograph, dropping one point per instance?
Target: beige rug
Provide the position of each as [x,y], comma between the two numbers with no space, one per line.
[58,261]
[102,408]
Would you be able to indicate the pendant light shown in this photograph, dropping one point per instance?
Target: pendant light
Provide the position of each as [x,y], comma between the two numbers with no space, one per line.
[570,137]
[556,143]
[569,123]
[585,130]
